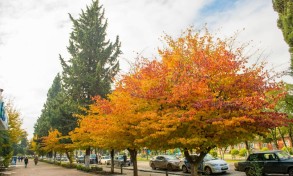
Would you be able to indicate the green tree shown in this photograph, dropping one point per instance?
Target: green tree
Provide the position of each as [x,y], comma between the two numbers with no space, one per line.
[13,135]
[57,114]
[21,147]
[44,122]
[285,22]
[93,63]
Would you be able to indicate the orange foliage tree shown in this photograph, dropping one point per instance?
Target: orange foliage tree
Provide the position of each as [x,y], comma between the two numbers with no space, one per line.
[111,124]
[52,143]
[203,94]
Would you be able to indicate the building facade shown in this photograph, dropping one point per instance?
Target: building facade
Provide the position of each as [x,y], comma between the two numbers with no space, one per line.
[3,114]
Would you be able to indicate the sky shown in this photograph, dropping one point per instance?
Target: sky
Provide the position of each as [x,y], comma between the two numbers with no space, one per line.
[34,32]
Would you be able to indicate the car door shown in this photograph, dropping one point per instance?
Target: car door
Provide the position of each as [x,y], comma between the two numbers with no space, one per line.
[272,164]
[255,161]
[156,162]
[160,162]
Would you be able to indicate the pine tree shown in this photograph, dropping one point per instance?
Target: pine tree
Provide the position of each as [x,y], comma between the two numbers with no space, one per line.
[56,114]
[93,63]
[285,22]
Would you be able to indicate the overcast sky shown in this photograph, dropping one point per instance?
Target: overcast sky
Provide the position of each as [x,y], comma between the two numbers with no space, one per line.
[34,32]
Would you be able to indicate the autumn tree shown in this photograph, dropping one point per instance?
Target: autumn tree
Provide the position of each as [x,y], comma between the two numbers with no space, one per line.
[93,63]
[13,135]
[203,94]
[51,143]
[101,128]
[284,8]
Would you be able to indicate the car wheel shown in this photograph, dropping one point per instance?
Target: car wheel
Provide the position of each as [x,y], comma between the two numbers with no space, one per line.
[184,169]
[291,172]
[153,166]
[248,172]
[169,167]
[207,171]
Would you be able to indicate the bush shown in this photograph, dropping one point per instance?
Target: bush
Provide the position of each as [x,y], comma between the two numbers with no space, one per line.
[264,149]
[83,168]
[214,153]
[68,165]
[234,152]
[288,149]
[243,152]
[93,169]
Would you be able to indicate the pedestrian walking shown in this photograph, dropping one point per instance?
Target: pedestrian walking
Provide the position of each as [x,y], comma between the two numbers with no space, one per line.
[124,159]
[36,159]
[25,162]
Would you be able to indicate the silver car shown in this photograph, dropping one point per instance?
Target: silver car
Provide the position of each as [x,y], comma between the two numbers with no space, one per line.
[209,165]
[168,162]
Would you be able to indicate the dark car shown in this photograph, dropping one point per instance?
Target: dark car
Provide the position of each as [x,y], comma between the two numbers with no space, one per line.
[119,161]
[168,162]
[93,159]
[266,162]
[209,165]
[80,159]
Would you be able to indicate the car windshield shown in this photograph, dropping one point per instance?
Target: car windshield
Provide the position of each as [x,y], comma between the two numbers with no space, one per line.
[170,158]
[209,157]
[106,157]
[283,155]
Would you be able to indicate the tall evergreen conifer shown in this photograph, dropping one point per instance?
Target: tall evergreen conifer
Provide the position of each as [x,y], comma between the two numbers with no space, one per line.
[285,22]
[93,62]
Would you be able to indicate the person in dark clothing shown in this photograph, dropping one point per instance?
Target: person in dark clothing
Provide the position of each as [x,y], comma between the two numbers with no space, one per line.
[124,158]
[36,159]
[25,161]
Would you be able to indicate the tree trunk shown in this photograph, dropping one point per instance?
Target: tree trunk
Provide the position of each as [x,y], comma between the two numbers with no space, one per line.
[247,147]
[223,151]
[87,157]
[68,154]
[133,156]
[283,139]
[112,161]
[291,135]
[54,156]
[194,162]
[275,140]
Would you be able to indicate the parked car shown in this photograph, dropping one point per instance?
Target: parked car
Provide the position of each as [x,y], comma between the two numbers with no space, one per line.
[80,159]
[267,162]
[93,159]
[168,162]
[119,161]
[209,165]
[105,160]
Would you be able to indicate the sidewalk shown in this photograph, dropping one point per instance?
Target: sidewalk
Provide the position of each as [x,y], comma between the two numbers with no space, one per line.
[42,169]
[45,169]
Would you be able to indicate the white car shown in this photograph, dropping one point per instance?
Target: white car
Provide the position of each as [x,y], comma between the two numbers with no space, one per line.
[105,160]
[210,165]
